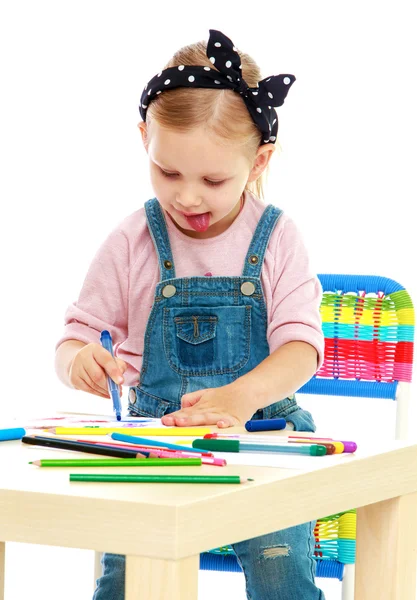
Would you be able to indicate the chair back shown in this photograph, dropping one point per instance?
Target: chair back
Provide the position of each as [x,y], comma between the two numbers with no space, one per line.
[368,325]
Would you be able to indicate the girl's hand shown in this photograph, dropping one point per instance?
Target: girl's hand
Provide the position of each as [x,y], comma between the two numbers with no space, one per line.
[90,367]
[221,406]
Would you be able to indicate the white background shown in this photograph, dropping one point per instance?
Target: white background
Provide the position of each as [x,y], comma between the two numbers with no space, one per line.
[73,166]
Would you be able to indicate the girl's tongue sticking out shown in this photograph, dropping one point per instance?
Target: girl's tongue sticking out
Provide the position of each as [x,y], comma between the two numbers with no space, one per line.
[199,222]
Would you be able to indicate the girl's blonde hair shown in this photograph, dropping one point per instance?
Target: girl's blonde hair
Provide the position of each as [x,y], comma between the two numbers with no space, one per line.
[221,112]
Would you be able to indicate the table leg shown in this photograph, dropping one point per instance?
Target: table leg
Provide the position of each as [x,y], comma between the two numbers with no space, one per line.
[386,550]
[2,569]
[157,579]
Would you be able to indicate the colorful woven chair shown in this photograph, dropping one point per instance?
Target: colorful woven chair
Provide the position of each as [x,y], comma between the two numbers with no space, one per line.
[368,325]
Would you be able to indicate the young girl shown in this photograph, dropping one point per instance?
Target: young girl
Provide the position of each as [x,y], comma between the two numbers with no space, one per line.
[207,292]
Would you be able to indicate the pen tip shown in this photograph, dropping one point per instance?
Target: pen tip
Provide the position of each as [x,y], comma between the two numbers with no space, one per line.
[119,418]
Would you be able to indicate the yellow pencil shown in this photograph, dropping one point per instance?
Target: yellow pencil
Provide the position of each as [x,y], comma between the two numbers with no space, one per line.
[143,431]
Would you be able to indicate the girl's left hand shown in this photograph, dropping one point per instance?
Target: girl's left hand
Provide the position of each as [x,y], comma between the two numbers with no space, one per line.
[221,406]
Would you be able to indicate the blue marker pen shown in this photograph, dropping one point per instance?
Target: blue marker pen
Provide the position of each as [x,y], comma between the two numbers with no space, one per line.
[107,343]
[12,434]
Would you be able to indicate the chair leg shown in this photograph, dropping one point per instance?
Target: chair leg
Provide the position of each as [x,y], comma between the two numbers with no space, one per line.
[97,568]
[403,401]
[348,583]
[2,569]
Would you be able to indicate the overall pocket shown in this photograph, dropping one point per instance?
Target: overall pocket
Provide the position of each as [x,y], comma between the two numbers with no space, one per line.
[207,340]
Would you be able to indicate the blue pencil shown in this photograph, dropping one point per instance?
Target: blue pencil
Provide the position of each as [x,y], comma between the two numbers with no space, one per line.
[133,439]
[107,343]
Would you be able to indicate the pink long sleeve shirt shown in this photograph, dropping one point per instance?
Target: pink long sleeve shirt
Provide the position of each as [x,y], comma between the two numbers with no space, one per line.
[118,291]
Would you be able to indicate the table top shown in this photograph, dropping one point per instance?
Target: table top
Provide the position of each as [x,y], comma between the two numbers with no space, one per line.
[40,505]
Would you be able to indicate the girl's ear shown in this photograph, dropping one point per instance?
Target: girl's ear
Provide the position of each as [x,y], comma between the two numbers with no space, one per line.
[142,126]
[262,159]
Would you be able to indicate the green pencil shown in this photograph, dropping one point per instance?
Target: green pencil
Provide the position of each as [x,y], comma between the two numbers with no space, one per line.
[160,478]
[118,462]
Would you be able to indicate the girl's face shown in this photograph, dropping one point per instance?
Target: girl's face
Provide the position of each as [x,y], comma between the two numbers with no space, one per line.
[199,183]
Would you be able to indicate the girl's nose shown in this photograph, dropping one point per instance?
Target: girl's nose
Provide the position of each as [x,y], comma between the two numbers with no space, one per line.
[188,202]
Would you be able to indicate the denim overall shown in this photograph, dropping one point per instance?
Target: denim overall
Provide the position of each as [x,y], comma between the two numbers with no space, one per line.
[205,332]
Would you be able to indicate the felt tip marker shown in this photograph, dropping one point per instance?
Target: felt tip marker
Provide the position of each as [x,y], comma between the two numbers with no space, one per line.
[15,433]
[107,343]
[237,446]
[331,448]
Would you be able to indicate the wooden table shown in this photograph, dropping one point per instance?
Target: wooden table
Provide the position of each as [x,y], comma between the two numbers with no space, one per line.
[162,528]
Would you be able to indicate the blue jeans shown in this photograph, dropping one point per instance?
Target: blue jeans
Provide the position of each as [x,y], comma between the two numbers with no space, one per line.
[277,566]
[280,565]
[206,332]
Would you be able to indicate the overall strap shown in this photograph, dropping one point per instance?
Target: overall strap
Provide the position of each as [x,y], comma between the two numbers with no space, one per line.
[159,234]
[255,256]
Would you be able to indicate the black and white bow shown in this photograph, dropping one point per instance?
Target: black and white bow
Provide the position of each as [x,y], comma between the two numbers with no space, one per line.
[260,101]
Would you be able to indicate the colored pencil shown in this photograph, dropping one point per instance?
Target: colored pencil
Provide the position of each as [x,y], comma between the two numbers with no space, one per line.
[174,431]
[150,445]
[101,444]
[145,445]
[116,462]
[127,438]
[159,478]
[236,446]
[206,460]
[77,447]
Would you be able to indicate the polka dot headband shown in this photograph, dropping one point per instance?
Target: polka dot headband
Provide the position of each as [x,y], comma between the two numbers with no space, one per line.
[260,101]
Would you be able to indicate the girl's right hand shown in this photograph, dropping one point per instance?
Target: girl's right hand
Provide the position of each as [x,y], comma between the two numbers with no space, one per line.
[90,367]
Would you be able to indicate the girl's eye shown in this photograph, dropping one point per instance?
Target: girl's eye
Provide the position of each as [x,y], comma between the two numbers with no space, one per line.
[171,175]
[168,174]
[213,182]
